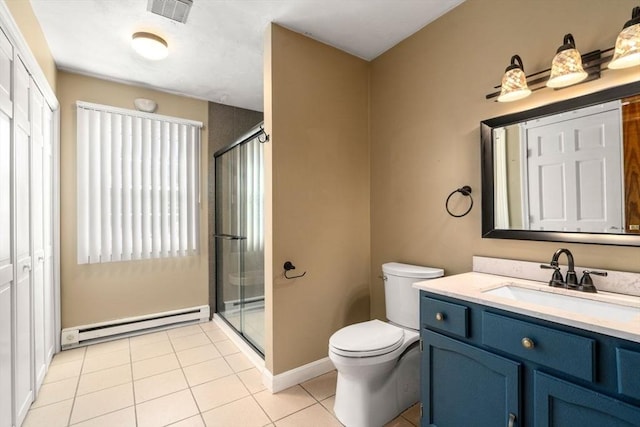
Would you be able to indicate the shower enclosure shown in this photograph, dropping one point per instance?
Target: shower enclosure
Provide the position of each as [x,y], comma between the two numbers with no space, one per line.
[239,236]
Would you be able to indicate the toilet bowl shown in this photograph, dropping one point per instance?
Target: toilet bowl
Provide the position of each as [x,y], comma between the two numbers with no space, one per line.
[378,363]
[368,381]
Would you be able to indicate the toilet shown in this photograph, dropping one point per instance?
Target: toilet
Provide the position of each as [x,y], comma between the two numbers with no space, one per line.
[378,363]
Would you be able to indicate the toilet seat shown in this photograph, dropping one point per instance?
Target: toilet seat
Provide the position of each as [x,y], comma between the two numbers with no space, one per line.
[366,339]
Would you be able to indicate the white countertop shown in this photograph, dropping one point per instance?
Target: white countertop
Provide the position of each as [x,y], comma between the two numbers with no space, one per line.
[472,286]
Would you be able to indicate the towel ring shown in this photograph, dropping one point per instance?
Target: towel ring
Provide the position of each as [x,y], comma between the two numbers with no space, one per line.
[465,191]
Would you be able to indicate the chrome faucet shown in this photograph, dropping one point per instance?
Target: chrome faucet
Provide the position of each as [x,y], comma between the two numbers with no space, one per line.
[571,280]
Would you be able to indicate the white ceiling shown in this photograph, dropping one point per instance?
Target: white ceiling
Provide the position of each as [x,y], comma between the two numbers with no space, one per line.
[217,54]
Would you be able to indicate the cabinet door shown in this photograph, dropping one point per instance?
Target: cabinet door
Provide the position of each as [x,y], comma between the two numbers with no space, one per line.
[559,403]
[464,386]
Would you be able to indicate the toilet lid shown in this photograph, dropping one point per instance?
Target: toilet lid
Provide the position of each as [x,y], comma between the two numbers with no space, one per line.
[366,339]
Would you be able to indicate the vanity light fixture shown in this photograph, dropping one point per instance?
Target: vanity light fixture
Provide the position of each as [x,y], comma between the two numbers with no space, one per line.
[514,82]
[149,45]
[569,67]
[627,49]
[566,68]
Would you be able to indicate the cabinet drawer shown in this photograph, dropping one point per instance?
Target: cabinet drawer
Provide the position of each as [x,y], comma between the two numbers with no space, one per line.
[444,316]
[562,351]
[628,363]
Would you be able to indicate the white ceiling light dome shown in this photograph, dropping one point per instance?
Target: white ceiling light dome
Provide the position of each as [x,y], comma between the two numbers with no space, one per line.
[149,45]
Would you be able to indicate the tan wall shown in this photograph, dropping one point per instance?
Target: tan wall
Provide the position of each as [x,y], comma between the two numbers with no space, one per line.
[22,13]
[101,292]
[427,99]
[316,111]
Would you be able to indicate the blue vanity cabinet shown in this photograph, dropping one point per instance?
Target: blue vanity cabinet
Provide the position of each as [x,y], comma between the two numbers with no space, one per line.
[486,367]
[465,386]
[560,403]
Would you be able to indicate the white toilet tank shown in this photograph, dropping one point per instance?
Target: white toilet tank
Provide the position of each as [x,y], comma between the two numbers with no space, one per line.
[401,298]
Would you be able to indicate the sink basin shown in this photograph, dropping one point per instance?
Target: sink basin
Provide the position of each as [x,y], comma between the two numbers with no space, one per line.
[594,306]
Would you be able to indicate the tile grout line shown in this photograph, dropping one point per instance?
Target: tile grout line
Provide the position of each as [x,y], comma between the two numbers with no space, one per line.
[186,380]
[75,394]
[133,385]
[97,391]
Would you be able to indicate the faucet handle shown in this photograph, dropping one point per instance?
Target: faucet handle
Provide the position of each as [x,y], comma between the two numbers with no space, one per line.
[597,273]
[556,279]
[586,283]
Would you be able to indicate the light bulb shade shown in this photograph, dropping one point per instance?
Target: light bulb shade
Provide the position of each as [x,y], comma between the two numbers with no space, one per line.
[566,68]
[627,50]
[149,46]
[514,82]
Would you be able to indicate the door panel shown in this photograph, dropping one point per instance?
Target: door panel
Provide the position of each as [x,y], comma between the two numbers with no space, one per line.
[6,65]
[6,265]
[37,232]
[6,255]
[573,173]
[47,212]
[23,353]
[239,240]
[23,296]
[5,355]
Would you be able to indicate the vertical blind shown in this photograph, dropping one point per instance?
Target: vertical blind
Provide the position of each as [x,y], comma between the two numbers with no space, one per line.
[138,184]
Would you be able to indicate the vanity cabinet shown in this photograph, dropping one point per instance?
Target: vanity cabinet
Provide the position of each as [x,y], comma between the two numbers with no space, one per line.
[487,367]
[463,383]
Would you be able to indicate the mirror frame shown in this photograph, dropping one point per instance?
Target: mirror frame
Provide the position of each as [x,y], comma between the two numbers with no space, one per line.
[486,140]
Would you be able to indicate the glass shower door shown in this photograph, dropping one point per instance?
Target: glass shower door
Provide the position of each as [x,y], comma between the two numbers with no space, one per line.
[240,239]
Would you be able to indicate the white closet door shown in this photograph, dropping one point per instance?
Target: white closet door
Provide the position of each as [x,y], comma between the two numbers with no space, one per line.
[6,258]
[47,212]
[37,232]
[23,338]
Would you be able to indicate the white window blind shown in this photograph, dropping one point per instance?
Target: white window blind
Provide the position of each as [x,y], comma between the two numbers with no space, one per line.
[138,184]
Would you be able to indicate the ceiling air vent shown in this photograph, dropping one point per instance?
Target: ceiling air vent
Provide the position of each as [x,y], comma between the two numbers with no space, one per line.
[176,10]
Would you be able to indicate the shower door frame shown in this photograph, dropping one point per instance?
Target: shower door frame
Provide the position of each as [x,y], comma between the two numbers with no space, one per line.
[219,238]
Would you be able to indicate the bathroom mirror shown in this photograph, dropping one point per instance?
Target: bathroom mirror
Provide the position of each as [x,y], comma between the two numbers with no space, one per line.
[565,172]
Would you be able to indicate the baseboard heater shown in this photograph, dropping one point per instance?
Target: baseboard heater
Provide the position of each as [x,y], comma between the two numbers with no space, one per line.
[121,328]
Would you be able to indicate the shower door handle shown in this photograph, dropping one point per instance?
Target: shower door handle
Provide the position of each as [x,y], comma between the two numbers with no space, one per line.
[229,236]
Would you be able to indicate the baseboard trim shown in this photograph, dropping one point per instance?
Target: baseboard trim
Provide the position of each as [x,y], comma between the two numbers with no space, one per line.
[279,382]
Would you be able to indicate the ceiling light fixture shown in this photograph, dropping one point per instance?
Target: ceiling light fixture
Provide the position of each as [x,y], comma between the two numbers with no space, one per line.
[514,82]
[627,49]
[566,68]
[149,45]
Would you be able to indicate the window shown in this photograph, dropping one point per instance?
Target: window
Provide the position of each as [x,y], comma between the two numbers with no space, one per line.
[138,185]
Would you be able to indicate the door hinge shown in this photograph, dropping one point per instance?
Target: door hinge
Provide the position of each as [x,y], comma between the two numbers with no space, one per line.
[421,345]
[421,410]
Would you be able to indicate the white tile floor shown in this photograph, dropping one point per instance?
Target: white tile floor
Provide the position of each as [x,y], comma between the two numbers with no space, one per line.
[192,376]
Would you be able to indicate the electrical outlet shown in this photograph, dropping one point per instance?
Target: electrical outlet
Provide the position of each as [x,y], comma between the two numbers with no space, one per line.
[635,227]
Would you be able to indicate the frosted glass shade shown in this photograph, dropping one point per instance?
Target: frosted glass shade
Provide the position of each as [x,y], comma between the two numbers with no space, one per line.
[566,69]
[627,50]
[149,46]
[514,86]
